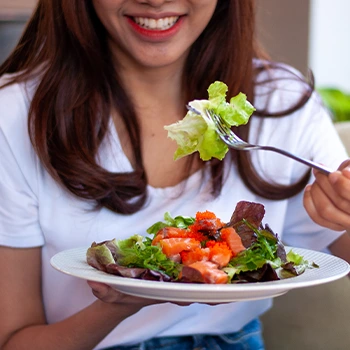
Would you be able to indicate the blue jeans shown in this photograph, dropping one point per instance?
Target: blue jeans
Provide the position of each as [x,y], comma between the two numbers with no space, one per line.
[248,338]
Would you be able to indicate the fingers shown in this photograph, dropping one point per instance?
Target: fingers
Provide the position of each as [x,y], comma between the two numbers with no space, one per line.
[345,164]
[182,303]
[321,209]
[327,201]
[108,294]
[346,172]
[104,292]
[337,188]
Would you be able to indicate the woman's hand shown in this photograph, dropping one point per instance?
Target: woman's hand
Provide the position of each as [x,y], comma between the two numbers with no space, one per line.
[107,294]
[327,200]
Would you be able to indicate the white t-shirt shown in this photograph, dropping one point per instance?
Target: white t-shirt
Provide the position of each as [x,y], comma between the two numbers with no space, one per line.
[36,211]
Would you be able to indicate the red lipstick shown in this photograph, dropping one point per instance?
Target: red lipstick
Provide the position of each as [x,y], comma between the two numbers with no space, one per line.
[153,34]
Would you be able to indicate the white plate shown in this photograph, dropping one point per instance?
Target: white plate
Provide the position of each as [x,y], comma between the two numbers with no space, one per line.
[73,262]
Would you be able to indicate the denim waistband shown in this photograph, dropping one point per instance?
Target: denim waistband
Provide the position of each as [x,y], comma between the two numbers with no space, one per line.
[248,338]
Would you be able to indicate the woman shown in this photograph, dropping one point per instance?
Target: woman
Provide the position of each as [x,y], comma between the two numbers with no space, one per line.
[84,157]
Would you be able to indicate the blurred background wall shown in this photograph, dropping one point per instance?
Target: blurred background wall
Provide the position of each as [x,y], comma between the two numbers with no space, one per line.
[304,33]
[13,16]
[330,43]
[283,28]
[309,34]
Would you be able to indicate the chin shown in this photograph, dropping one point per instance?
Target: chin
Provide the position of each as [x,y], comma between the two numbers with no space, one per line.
[160,61]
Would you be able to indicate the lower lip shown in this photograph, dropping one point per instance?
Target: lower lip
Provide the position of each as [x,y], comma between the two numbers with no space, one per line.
[156,35]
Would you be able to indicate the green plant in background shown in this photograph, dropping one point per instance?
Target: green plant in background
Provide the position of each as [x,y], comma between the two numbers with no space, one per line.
[338,102]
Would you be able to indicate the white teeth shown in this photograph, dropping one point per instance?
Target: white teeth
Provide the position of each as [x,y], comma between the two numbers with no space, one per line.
[156,24]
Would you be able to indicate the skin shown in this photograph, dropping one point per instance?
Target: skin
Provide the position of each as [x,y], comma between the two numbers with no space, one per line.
[327,202]
[152,72]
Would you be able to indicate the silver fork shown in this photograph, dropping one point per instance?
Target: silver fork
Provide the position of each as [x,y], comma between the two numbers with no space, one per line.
[233,141]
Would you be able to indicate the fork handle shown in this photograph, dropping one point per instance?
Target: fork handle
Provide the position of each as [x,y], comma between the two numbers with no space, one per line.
[308,162]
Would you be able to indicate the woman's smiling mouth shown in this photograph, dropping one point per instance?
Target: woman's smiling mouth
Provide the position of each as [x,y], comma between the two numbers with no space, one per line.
[164,23]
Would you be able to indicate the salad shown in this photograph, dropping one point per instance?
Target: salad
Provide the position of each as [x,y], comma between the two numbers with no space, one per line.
[202,249]
[196,131]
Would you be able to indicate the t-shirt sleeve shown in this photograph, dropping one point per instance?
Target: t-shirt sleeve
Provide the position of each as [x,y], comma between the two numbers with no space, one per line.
[19,224]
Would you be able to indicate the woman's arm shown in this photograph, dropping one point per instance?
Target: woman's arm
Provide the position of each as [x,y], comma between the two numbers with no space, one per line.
[22,316]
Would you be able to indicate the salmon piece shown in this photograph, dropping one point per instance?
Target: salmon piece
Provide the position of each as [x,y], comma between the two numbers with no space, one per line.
[203,272]
[169,232]
[206,222]
[233,240]
[198,254]
[219,253]
[174,232]
[173,246]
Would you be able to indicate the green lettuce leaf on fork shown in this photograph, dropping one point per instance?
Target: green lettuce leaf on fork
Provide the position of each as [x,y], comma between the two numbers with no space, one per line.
[196,132]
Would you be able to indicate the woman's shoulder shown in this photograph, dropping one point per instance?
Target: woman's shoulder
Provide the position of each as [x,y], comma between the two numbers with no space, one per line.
[9,90]
[13,89]
[15,100]
[15,144]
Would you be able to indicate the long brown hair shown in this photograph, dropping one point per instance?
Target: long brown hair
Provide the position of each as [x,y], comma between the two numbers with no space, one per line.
[65,44]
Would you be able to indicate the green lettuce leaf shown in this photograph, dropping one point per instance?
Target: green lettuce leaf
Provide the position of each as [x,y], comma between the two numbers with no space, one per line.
[196,131]
[261,252]
[299,265]
[139,252]
[169,221]
[99,255]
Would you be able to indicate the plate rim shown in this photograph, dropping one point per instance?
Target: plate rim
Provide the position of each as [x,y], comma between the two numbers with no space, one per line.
[281,285]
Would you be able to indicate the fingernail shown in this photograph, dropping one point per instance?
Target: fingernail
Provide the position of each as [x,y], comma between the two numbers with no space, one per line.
[334,177]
